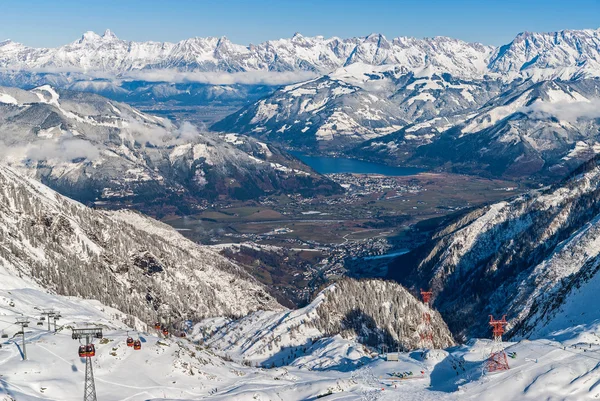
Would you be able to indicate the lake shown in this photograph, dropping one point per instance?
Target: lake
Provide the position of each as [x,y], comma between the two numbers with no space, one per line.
[331,165]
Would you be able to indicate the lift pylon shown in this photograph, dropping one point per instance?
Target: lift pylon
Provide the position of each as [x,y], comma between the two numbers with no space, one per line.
[89,393]
[23,322]
[426,331]
[497,360]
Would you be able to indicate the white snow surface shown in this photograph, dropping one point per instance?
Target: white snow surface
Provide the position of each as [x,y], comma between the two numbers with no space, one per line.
[561,366]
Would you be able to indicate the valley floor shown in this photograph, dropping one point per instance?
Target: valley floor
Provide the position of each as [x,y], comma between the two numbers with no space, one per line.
[296,245]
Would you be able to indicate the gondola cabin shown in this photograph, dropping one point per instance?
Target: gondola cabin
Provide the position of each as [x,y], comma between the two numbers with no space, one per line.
[137,345]
[165,332]
[157,326]
[130,342]
[90,350]
[82,353]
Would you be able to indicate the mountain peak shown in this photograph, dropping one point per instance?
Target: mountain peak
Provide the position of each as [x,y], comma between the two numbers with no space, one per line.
[108,34]
[89,36]
[374,37]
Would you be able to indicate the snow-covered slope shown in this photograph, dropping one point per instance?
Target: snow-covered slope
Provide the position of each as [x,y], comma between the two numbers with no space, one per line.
[326,111]
[372,312]
[531,129]
[563,364]
[123,259]
[525,257]
[94,149]
[164,368]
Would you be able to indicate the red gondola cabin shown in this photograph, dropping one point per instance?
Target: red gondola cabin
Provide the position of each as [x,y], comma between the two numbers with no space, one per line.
[137,345]
[86,351]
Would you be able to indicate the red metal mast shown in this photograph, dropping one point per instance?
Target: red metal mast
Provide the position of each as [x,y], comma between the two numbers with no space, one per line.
[426,331]
[497,359]
[426,295]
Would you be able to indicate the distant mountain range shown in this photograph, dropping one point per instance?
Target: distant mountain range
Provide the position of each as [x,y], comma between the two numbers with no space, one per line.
[565,53]
[107,65]
[512,111]
[108,54]
[530,110]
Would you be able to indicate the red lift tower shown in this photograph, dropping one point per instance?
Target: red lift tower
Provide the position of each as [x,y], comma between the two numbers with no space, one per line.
[426,331]
[497,360]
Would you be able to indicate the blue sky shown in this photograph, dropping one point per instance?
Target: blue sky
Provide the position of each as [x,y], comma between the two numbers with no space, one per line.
[45,23]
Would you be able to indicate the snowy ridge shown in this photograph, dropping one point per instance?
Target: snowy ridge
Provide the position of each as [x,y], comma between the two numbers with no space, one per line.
[512,134]
[533,251]
[565,53]
[338,319]
[165,368]
[358,103]
[326,110]
[106,53]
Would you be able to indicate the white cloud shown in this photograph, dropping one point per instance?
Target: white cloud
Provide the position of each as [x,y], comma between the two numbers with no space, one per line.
[220,78]
[62,149]
[260,77]
[565,111]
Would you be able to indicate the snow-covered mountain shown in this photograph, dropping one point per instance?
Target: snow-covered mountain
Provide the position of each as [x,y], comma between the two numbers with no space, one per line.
[563,53]
[51,244]
[164,368]
[396,108]
[543,129]
[374,312]
[93,149]
[125,260]
[566,54]
[360,89]
[106,53]
[359,103]
[527,258]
